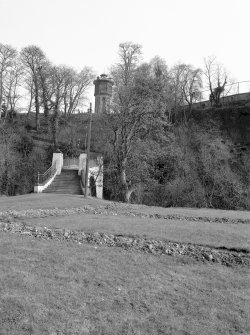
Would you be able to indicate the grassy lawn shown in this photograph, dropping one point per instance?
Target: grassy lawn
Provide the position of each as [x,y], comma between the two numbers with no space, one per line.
[50,287]
[44,200]
[212,234]
[62,288]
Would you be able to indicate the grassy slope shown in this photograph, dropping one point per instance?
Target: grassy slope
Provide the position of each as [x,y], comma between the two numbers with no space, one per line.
[212,234]
[63,288]
[52,287]
[68,201]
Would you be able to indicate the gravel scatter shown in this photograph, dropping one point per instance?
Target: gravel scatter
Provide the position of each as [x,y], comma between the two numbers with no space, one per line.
[157,247]
[110,210]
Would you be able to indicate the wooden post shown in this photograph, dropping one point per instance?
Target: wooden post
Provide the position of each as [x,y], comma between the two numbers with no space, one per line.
[88,152]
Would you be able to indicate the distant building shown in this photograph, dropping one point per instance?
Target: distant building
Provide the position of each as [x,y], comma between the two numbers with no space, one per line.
[103,93]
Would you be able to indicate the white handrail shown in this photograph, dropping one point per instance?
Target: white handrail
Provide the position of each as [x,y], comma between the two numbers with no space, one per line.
[42,178]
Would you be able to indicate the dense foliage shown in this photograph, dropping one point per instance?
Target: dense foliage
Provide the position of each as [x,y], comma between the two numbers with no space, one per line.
[20,160]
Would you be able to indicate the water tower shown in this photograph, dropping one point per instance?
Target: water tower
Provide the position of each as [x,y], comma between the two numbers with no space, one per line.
[103,93]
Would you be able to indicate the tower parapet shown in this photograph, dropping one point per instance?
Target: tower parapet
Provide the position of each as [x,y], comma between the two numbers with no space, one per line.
[103,93]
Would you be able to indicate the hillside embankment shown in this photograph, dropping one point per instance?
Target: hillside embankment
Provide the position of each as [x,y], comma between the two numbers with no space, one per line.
[201,162]
[231,122]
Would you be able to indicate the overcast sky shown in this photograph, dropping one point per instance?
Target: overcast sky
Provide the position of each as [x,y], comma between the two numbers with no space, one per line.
[88,32]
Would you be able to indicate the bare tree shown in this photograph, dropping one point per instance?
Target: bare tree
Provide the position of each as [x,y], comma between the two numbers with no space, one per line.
[28,85]
[165,98]
[129,54]
[191,84]
[75,88]
[46,72]
[176,74]
[33,59]
[132,104]
[13,83]
[186,83]
[57,80]
[159,67]
[217,78]
[7,56]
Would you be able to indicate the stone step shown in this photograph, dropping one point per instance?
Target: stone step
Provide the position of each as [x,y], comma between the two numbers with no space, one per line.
[66,179]
[63,188]
[63,192]
[68,182]
[72,181]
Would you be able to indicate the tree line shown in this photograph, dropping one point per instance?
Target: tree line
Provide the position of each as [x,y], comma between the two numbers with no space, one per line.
[47,88]
[151,103]
[30,81]
[51,88]
[154,151]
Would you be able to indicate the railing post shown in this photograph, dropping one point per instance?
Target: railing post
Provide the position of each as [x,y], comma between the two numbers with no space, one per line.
[38,178]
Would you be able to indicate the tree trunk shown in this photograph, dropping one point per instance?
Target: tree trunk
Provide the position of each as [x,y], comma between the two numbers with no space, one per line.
[1,94]
[45,100]
[30,104]
[46,108]
[126,189]
[128,194]
[37,113]
[0,106]
[54,127]
[37,105]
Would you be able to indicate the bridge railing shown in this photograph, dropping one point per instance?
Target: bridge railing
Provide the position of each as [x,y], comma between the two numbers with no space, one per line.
[43,178]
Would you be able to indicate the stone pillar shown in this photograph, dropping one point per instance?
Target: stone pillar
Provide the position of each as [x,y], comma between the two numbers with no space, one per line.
[82,163]
[82,169]
[99,181]
[97,172]
[99,186]
[58,159]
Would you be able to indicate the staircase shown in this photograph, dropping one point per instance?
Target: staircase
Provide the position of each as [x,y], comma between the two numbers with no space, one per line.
[68,182]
